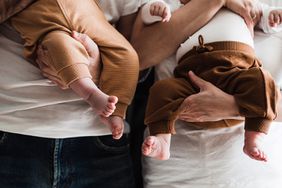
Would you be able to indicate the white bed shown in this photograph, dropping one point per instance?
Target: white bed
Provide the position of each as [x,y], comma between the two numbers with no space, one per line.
[214,158]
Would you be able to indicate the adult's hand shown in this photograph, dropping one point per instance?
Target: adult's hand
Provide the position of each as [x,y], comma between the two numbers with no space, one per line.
[210,104]
[94,64]
[47,71]
[244,8]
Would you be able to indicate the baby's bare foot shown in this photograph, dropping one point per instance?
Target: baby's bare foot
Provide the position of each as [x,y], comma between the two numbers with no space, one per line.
[103,104]
[157,146]
[115,124]
[100,102]
[253,145]
[110,107]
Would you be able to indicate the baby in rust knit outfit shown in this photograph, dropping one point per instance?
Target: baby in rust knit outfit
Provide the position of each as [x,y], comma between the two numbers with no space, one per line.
[51,23]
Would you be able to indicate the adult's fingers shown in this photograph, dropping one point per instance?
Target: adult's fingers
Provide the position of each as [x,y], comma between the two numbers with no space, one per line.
[86,41]
[45,68]
[248,15]
[199,82]
[42,55]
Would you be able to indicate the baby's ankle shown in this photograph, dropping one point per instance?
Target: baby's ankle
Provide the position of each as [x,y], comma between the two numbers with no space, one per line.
[254,137]
[84,87]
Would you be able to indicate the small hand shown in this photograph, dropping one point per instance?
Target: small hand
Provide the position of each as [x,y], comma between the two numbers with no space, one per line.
[275,18]
[210,104]
[160,9]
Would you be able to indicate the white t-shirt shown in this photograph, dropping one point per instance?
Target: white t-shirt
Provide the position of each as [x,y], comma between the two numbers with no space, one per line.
[114,9]
[30,105]
[228,26]
[225,26]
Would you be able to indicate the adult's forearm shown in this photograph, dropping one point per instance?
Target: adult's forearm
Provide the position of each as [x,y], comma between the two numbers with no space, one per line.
[156,42]
[125,25]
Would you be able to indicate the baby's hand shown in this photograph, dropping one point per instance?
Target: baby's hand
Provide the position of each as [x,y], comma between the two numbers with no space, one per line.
[275,18]
[160,9]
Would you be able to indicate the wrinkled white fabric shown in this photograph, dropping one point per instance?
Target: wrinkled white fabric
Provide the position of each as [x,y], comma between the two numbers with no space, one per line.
[114,9]
[215,159]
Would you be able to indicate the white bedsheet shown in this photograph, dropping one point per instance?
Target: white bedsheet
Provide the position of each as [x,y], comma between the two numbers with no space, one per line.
[214,159]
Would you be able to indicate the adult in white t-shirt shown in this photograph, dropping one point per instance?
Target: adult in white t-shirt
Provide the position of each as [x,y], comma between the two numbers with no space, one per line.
[50,137]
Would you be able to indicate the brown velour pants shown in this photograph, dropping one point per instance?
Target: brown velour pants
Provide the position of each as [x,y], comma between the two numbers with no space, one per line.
[50,22]
[232,67]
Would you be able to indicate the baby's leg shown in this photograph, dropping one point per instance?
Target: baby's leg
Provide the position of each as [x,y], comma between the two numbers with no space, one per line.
[71,62]
[100,102]
[253,145]
[120,61]
[164,100]
[256,97]
[162,110]
[157,146]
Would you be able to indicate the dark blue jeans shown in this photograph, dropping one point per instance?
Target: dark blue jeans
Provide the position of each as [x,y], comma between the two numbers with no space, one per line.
[94,162]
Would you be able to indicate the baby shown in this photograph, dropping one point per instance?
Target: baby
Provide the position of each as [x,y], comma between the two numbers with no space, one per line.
[51,23]
[224,57]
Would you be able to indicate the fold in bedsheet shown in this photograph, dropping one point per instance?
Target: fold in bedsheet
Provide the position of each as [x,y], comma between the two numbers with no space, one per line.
[215,159]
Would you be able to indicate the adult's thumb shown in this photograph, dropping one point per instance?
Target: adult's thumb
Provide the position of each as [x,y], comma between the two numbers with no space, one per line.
[86,41]
[199,82]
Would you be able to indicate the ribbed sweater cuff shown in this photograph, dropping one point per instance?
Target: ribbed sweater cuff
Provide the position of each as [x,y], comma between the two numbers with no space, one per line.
[162,127]
[257,124]
[74,72]
[120,110]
